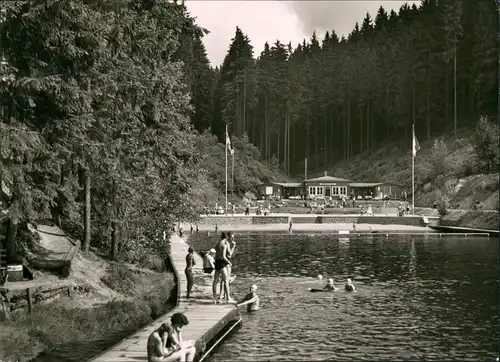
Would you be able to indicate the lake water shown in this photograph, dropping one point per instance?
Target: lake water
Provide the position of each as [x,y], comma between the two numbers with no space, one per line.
[419,297]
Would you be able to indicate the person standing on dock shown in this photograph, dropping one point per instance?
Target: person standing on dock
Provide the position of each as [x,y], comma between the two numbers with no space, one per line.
[251,300]
[221,262]
[231,245]
[165,344]
[189,271]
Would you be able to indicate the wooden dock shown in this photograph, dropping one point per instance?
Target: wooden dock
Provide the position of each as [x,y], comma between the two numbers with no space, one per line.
[463,230]
[208,325]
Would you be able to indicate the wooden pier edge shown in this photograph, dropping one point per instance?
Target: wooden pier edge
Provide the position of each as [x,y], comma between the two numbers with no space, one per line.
[209,324]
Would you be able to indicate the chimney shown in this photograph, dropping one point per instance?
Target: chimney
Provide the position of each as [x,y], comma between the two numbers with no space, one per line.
[326,173]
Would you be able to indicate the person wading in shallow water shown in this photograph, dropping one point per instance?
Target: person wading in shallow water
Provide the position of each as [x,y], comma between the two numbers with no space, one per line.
[209,262]
[189,271]
[221,262]
[166,345]
[251,300]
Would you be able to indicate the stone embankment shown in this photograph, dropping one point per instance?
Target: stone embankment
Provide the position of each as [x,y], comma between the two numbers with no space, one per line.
[311,219]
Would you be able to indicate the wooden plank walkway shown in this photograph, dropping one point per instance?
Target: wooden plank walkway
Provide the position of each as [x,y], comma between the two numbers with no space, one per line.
[206,320]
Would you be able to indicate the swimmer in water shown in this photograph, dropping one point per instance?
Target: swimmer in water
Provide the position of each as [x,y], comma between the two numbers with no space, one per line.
[251,300]
[349,287]
[320,277]
[329,287]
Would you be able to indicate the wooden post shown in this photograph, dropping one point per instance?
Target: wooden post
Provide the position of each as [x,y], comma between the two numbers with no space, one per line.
[30,301]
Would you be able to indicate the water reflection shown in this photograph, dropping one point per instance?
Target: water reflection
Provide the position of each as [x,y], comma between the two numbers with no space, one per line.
[432,299]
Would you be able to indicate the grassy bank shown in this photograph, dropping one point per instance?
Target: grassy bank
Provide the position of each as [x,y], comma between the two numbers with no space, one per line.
[122,300]
[444,168]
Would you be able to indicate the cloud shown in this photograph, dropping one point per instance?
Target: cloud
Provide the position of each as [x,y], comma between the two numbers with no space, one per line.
[340,16]
[271,20]
[261,20]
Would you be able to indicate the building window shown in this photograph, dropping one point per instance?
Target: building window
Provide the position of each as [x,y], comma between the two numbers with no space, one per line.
[335,191]
[343,190]
[312,190]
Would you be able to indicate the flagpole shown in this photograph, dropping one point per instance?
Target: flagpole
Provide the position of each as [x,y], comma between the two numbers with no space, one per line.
[413,170]
[226,145]
[232,175]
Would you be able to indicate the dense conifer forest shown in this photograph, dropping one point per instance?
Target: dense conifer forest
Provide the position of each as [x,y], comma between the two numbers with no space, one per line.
[112,118]
[432,65]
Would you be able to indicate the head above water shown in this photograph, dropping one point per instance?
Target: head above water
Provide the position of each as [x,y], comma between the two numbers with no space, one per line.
[190,250]
[330,281]
[320,277]
[212,251]
[253,288]
[349,281]
[230,235]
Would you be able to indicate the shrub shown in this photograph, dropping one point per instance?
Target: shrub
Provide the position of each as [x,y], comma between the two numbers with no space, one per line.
[486,138]
[120,279]
[443,205]
[438,158]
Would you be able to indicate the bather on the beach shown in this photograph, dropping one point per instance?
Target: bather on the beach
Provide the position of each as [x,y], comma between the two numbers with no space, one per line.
[349,287]
[221,262]
[251,300]
[166,345]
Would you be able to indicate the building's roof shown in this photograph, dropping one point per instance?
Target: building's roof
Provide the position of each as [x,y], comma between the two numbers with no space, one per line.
[327,179]
[289,184]
[284,184]
[370,184]
[364,184]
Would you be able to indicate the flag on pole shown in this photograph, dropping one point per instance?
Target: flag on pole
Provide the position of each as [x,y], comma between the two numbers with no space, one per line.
[416,146]
[228,143]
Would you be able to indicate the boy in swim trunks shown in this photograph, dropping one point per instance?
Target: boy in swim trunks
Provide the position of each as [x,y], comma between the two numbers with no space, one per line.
[165,344]
[221,262]
[209,262]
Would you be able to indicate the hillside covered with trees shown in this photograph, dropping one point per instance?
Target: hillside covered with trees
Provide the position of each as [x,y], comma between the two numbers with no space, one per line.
[433,65]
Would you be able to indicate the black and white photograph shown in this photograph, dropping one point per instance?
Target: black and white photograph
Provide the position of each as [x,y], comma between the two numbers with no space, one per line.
[247,181]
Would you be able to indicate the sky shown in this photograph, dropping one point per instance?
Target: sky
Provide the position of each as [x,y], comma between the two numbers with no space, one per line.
[284,20]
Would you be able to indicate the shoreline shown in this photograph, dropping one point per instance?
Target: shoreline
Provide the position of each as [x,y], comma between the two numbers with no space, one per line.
[334,228]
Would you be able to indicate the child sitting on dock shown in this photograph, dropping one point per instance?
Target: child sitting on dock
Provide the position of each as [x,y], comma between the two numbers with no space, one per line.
[251,300]
[349,287]
[165,344]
